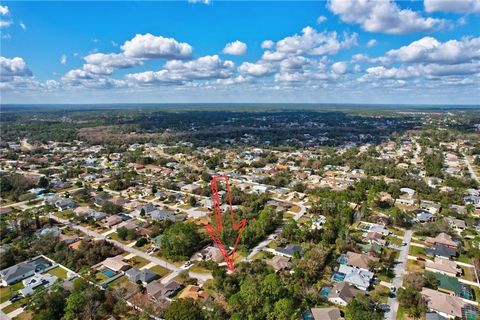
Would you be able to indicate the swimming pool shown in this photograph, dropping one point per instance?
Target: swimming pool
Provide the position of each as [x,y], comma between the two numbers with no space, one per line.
[109,273]
[342,259]
[338,277]
[325,291]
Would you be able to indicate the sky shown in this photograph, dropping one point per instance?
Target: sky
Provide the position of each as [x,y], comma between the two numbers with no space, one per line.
[336,51]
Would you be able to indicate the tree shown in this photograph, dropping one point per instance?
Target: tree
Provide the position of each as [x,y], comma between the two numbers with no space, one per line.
[362,308]
[122,233]
[184,309]
[180,240]
[85,302]
[43,182]
[412,301]
[141,242]
[48,304]
[192,201]
[283,310]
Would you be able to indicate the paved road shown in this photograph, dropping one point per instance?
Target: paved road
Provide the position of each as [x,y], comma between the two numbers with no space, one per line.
[202,277]
[399,273]
[470,169]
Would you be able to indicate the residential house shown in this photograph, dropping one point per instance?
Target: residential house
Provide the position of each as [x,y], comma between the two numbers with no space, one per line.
[443,239]
[145,276]
[446,305]
[360,260]
[375,237]
[158,291]
[331,313]
[115,263]
[457,224]
[111,221]
[360,278]
[423,216]
[211,253]
[17,272]
[280,263]
[288,251]
[441,251]
[65,204]
[342,293]
[37,281]
[443,266]
[430,206]
[195,293]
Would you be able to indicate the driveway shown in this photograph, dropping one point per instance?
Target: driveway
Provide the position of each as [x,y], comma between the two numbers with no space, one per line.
[399,273]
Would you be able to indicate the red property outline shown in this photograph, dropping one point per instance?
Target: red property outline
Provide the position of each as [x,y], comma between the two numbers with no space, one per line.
[214,232]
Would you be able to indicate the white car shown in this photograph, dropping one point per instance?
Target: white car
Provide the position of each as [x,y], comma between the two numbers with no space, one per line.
[186,265]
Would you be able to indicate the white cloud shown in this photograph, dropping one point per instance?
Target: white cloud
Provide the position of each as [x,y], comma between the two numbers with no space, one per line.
[180,72]
[459,6]
[429,49]
[5,23]
[339,67]
[259,69]
[101,63]
[22,25]
[383,16]
[154,47]
[114,43]
[4,10]
[267,44]
[321,19]
[63,59]
[236,48]
[315,43]
[13,68]
[207,2]
[371,43]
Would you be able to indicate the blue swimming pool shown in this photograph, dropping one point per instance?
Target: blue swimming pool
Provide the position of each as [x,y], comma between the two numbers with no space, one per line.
[325,291]
[307,315]
[338,277]
[342,259]
[109,273]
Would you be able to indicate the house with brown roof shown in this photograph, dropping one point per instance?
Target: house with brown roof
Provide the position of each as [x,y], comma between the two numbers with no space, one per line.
[446,305]
[115,263]
[375,237]
[443,266]
[111,221]
[360,260]
[280,263]
[195,293]
[331,313]
[342,293]
[443,239]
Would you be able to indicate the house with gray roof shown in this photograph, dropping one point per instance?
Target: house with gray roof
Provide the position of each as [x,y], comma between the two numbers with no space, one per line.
[145,276]
[289,250]
[357,277]
[17,272]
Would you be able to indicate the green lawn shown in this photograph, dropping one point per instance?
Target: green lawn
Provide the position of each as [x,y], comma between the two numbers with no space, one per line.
[199,269]
[416,251]
[415,266]
[468,274]
[464,258]
[7,292]
[400,315]
[60,273]
[138,262]
[380,293]
[161,271]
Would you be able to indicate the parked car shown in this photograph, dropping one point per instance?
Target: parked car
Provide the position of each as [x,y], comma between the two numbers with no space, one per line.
[420,258]
[186,265]
[15,298]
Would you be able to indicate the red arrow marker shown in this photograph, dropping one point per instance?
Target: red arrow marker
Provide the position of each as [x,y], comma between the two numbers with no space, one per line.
[215,232]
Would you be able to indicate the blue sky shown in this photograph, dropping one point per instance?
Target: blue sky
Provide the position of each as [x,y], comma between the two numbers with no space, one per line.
[342,51]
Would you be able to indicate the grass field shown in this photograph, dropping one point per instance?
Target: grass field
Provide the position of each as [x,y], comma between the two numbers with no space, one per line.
[416,251]
[415,266]
[60,273]
[138,262]
[161,271]
[7,292]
